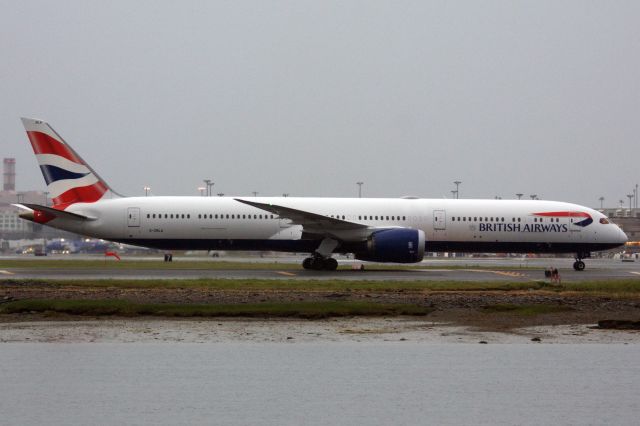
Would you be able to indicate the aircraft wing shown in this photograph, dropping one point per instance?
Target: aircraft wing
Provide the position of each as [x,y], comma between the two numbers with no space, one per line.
[308,220]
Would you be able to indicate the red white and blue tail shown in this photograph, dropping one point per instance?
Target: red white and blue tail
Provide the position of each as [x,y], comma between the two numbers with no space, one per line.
[69,178]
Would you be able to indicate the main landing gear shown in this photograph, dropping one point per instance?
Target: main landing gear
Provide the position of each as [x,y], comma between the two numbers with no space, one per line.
[320,263]
[579,265]
[321,259]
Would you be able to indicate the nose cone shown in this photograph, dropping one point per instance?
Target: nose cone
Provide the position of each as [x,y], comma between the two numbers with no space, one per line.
[622,237]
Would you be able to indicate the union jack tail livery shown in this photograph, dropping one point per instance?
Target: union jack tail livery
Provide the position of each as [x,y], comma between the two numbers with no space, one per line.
[69,178]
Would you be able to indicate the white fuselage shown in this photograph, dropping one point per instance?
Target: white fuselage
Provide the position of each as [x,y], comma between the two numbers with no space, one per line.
[448,225]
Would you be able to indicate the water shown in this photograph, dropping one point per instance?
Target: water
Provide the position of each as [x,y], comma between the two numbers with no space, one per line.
[344,383]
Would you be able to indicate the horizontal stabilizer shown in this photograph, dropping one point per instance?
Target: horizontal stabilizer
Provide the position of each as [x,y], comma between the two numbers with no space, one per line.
[52,213]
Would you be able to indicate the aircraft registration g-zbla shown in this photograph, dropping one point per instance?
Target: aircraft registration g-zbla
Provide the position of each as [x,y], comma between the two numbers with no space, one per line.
[373,229]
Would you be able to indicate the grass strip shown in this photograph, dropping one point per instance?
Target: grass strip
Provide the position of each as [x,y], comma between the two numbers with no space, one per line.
[275,265]
[525,310]
[309,310]
[281,284]
[613,286]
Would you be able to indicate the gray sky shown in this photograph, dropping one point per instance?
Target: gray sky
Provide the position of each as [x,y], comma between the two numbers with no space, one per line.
[308,97]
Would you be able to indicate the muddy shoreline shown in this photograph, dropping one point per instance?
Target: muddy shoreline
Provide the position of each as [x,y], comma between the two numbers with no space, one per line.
[455,308]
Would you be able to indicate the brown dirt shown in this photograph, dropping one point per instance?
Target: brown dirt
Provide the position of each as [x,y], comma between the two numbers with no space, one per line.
[456,307]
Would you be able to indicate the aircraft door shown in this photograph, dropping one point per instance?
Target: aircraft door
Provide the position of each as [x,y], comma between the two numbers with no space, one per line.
[133,217]
[439,220]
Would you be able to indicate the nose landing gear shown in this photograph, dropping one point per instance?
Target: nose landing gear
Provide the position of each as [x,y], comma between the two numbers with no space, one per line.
[579,265]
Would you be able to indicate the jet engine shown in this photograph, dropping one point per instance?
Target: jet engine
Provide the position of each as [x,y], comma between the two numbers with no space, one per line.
[398,245]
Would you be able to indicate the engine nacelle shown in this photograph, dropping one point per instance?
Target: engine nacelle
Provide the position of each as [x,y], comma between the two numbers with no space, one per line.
[395,245]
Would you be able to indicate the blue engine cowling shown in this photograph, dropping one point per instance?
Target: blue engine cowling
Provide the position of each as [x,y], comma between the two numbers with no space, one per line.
[395,245]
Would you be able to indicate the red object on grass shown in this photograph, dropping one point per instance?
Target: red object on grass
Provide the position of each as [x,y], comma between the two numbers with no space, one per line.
[111,253]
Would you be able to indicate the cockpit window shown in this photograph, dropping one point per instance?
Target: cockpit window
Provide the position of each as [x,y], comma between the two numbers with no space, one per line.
[604,221]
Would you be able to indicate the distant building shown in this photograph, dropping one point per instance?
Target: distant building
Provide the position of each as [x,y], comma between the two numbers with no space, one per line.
[10,223]
[9,174]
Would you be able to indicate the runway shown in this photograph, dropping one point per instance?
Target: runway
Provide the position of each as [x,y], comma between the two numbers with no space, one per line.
[438,270]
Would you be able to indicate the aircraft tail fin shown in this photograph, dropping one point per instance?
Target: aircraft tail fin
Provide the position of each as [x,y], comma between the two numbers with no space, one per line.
[69,178]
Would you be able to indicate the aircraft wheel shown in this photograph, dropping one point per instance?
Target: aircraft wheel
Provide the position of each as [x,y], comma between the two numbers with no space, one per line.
[317,264]
[579,265]
[307,263]
[330,264]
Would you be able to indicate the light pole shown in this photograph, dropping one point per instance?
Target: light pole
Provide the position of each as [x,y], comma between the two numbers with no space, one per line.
[457,183]
[601,199]
[630,196]
[255,193]
[359,189]
[519,196]
[146,191]
[201,189]
[533,196]
[209,184]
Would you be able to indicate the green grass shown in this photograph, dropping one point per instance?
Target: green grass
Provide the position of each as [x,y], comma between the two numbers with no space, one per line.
[311,310]
[157,263]
[525,310]
[622,286]
[283,285]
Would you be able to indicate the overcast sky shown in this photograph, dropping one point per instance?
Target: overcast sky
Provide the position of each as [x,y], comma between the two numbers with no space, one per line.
[309,97]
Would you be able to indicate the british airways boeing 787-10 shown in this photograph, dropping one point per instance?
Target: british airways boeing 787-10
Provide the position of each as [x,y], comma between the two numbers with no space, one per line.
[373,229]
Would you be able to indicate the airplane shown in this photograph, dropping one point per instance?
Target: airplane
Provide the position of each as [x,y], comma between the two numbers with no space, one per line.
[373,229]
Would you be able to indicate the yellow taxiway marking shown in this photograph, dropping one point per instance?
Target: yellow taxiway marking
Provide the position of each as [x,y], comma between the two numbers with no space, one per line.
[634,272]
[505,273]
[6,273]
[509,274]
[288,274]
